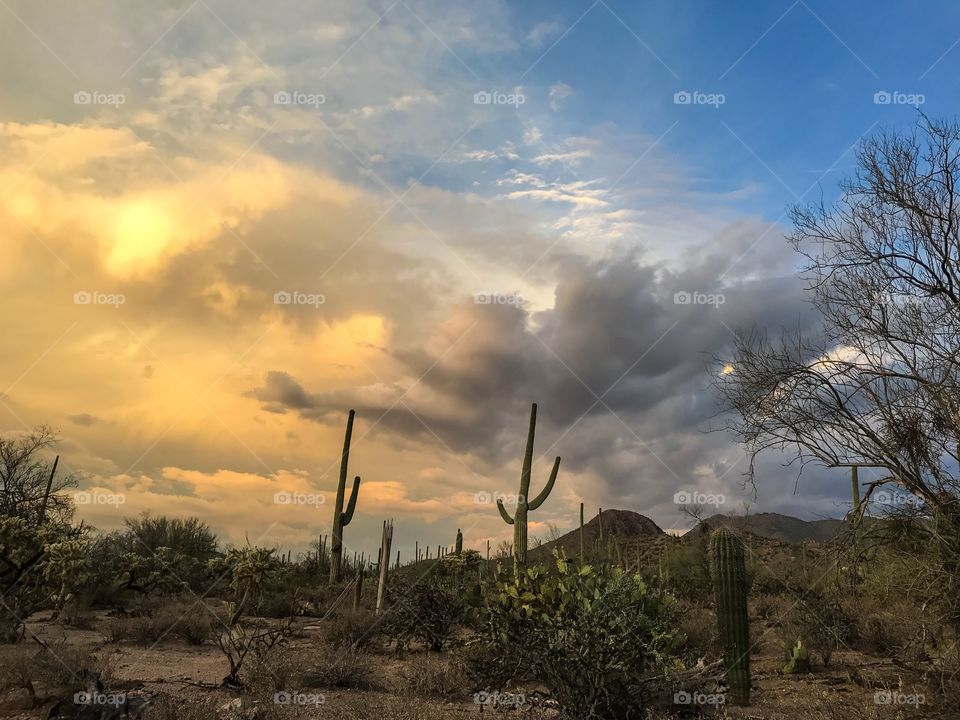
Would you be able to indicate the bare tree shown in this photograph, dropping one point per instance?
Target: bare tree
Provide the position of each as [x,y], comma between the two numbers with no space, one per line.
[878,382]
[30,485]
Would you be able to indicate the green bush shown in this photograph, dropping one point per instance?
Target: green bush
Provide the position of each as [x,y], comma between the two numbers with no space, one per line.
[423,611]
[595,638]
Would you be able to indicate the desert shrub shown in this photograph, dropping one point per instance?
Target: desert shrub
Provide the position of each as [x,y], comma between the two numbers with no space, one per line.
[594,638]
[772,608]
[187,621]
[250,640]
[117,629]
[698,626]
[60,667]
[276,671]
[434,674]
[423,611]
[75,613]
[338,667]
[822,622]
[279,603]
[353,628]
[685,570]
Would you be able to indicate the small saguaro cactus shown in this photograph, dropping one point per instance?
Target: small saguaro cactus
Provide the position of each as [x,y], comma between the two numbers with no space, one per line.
[524,504]
[458,548]
[342,518]
[730,583]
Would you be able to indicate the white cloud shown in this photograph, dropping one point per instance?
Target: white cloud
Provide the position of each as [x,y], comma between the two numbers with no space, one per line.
[544,31]
[559,93]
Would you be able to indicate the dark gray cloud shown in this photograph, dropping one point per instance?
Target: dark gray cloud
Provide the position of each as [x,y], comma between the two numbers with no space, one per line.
[617,365]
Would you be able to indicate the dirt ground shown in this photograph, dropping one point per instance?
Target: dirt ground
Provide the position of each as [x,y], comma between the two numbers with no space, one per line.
[847,689]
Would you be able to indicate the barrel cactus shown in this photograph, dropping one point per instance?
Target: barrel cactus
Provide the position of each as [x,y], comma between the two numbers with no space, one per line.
[524,504]
[730,584]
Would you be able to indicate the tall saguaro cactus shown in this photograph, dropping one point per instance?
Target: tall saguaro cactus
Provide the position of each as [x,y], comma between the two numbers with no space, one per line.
[524,505]
[342,518]
[458,547]
[730,583]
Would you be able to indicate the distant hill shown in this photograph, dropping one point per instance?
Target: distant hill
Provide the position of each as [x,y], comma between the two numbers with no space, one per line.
[625,525]
[778,527]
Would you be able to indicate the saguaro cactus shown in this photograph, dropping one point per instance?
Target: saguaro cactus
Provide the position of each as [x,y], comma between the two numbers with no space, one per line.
[342,518]
[582,556]
[730,583]
[524,505]
[458,548]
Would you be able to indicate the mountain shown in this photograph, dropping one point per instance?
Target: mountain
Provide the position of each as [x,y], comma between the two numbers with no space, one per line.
[626,526]
[778,527]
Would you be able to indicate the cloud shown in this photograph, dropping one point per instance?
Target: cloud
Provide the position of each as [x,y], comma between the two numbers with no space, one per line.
[559,94]
[84,419]
[544,31]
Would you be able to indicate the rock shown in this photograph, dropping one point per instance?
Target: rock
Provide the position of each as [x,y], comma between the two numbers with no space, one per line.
[235,704]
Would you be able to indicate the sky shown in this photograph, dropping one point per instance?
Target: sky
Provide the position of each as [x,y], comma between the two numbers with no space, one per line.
[224,224]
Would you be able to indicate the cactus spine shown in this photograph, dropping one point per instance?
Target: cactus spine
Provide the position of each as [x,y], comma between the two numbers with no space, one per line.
[342,518]
[458,548]
[524,505]
[730,581]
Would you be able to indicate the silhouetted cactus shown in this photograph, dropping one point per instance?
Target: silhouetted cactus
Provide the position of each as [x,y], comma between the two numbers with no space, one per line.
[519,519]
[342,518]
[730,581]
[458,548]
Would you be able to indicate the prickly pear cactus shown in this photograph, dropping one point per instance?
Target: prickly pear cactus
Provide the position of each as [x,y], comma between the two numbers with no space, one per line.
[730,584]
[798,658]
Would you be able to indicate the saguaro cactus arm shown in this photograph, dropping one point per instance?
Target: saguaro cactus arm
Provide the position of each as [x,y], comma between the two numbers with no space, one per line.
[503,512]
[352,504]
[345,456]
[538,500]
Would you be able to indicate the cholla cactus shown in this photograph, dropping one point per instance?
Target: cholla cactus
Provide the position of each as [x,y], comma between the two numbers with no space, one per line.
[342,518]
[730,581]
[68,566]
[519,520]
